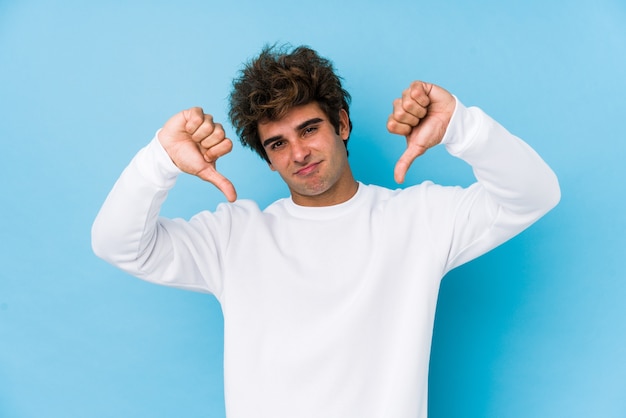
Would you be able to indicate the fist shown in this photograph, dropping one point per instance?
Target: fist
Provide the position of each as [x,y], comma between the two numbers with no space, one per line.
[422,116]
[194,143]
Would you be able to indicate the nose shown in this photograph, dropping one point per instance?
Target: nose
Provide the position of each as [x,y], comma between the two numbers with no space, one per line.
[300,152]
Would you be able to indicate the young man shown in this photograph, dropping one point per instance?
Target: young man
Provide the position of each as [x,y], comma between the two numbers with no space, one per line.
[328,296]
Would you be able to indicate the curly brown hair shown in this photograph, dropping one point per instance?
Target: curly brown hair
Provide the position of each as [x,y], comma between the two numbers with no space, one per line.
[278,80]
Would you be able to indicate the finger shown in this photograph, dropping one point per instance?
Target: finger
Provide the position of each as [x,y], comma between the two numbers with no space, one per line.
[409,110]
[205,129]
[216,136]
[218,150]
[211,175]
[399,128]
[405,161]
[402,114]
[419,92]
[414,103]
[194,118]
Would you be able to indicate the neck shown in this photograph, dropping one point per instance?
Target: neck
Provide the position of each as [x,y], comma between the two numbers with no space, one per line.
[342,191]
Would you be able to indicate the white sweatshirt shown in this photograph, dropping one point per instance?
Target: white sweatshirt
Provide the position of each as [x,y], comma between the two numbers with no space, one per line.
[329,311]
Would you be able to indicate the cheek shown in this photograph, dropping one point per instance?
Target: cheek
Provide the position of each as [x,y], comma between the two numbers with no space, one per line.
[277,162]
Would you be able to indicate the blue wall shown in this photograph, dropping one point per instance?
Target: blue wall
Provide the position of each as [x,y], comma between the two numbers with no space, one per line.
[537,328]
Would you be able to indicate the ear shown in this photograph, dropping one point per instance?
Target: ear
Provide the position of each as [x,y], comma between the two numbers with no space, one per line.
[344,124]
[271,166]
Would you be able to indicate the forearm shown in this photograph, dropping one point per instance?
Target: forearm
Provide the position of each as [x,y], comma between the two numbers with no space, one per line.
[514,188]
[124,230]
[510,171]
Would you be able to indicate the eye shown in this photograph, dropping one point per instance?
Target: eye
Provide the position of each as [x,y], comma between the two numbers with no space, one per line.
[309,130]
[277,144]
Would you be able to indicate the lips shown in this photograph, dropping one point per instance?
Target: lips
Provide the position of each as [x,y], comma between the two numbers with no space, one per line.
[307,170]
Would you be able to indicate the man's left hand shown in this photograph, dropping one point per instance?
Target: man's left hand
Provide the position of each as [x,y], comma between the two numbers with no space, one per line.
[421,115]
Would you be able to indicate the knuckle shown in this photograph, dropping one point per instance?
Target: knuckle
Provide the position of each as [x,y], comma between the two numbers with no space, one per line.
[193,122]
[218,130]
[210,156]
[196,114]
[229,145]
[416,92]
[408,103]
[398,112]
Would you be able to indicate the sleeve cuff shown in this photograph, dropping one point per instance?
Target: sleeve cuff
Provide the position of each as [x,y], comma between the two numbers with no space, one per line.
[462,129]
[155,165]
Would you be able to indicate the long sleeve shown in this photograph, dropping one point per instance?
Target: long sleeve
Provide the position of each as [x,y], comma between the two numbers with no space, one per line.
[514,188]
[129,233]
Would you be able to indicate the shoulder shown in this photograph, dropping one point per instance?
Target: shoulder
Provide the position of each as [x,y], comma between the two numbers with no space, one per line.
[424,199]
[229,211]
[417,191]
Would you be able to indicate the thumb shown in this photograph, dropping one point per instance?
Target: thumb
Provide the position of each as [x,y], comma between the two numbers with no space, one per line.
[406,159]
[211,175]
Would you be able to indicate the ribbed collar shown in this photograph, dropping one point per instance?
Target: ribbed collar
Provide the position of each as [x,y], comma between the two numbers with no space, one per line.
[324,212]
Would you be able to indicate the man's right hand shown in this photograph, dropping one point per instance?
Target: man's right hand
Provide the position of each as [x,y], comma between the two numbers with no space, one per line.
[194,143]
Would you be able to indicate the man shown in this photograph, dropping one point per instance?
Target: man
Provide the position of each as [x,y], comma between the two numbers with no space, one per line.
[328,296]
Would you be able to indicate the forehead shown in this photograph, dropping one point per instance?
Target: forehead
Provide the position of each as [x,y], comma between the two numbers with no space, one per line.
[291,120]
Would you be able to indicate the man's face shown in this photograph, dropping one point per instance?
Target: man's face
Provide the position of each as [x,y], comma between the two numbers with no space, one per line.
[309,155]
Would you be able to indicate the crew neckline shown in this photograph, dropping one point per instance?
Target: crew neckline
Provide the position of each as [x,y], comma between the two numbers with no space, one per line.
[324,212]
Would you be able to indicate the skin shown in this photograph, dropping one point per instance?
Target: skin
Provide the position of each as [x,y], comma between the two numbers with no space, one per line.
[422,116]
[310,157]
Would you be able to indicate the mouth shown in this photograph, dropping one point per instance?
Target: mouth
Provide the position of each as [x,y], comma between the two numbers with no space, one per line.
[304,171]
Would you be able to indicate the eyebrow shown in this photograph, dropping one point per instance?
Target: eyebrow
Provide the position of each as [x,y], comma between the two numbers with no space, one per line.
[300,127]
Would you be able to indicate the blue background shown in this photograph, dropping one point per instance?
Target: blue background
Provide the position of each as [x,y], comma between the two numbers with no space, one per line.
[536,328]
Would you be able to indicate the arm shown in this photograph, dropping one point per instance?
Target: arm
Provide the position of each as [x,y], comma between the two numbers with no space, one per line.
[514,187]
[128,232]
